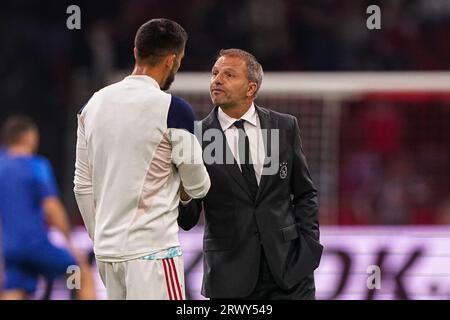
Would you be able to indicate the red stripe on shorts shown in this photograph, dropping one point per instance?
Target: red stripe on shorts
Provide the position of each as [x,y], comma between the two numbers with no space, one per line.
[166,277]
[176,278]
[171,279]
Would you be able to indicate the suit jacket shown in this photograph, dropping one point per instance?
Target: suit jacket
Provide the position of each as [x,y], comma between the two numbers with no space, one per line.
[282,219]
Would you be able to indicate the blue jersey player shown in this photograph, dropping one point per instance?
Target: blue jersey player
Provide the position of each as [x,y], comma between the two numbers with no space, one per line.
[28,202]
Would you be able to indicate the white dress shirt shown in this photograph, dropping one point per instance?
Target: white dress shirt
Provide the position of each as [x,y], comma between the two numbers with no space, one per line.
[252,128]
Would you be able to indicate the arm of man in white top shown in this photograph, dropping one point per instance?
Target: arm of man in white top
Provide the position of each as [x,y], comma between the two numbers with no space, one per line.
[186,150]
[83,180]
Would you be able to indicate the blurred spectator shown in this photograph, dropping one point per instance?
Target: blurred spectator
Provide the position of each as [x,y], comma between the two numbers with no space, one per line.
[394,162]
[362,177]
[312,35]
[443,216]
[382,129]
[267,20]
[400,191]
[101,46]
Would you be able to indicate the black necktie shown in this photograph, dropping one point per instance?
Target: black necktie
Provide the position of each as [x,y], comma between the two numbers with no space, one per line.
[245,159]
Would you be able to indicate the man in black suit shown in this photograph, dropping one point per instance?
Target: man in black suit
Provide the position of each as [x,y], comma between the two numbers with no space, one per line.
[261,236]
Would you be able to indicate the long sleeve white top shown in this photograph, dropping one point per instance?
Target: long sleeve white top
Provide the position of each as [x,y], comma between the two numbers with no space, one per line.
[135,147]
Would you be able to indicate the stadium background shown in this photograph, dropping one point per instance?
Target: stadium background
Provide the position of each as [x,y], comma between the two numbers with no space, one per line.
[373,105]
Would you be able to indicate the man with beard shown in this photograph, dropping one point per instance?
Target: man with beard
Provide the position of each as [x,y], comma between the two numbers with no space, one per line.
[135,149]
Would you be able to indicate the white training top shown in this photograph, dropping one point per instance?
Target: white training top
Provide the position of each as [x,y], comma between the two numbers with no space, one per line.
[135,146]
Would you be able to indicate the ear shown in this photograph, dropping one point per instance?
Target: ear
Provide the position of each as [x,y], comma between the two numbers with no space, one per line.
[252,87]
[135,53]
[170,60]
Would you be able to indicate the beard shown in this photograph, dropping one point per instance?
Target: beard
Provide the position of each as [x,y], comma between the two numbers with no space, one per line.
[169,80]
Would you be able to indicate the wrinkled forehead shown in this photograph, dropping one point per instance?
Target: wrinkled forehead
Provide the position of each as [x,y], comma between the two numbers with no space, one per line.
[230,62]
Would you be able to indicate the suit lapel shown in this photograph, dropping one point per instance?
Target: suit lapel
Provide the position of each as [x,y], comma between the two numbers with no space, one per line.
[266,123]
[233,169]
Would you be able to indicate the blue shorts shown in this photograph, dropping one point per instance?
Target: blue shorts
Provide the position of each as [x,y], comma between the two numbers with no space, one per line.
[24,265]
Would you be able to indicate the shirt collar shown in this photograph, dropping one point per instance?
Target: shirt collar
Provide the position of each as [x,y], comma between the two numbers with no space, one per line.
[226,121]
[144,79]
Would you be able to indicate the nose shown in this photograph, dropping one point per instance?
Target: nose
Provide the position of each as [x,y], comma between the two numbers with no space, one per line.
[216,79]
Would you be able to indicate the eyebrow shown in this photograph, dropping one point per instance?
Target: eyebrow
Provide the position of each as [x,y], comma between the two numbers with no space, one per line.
[225,69]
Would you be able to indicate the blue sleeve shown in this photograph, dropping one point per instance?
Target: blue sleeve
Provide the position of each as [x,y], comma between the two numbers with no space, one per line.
[181,115]
[82,108]
[45,180]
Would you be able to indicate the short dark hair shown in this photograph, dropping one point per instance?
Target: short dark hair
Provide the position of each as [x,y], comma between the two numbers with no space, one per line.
[14,127]
[254,69]
[157,38]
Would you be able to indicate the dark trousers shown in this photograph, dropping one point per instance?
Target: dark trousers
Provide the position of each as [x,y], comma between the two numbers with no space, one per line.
[267,289]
